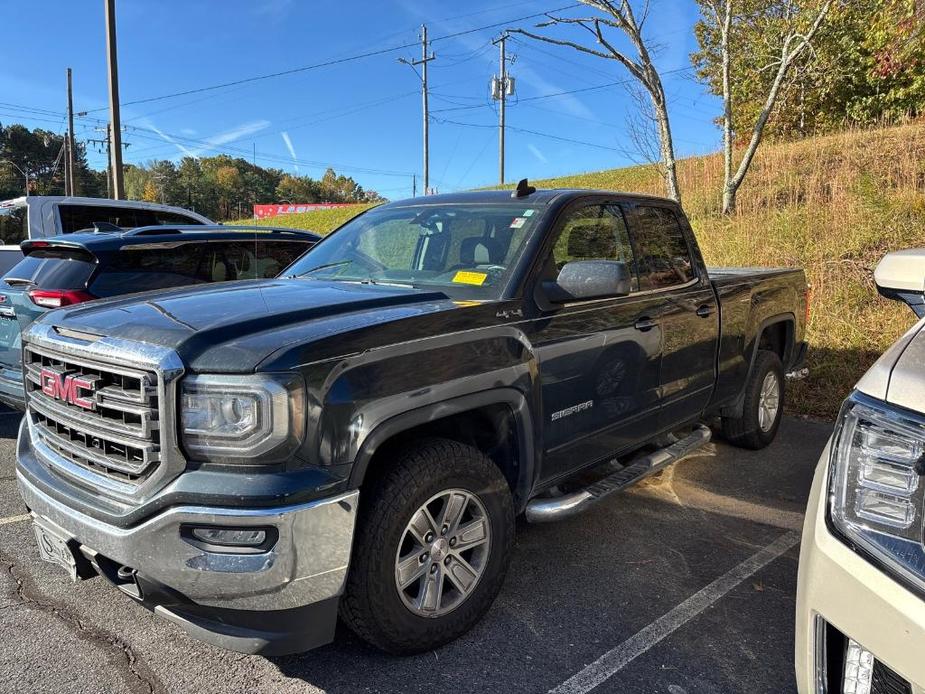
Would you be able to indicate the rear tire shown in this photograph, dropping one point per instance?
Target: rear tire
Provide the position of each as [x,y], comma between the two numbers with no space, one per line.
[763,405]
[437,492]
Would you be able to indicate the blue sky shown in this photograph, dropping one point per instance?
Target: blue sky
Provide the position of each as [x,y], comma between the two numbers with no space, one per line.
[362,117]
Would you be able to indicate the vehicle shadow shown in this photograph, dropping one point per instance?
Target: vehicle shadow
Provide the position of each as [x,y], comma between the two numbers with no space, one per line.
[580,587]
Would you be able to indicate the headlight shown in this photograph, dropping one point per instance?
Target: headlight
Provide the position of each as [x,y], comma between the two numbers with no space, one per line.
[876,490]
[242,419]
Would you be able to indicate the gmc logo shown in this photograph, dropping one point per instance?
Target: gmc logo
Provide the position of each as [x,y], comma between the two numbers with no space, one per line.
[67,387]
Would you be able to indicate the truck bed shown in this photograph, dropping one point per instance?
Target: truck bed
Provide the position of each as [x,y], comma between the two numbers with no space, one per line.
[749,298]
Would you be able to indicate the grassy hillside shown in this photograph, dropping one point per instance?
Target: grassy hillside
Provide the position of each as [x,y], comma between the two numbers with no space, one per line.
[833,205]
[321,221]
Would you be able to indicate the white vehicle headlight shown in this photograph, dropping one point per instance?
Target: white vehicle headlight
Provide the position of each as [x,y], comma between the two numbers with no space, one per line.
[876,489]
[254,418]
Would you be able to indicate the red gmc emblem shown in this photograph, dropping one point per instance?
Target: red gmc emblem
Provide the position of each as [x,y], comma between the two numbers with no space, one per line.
[67,387]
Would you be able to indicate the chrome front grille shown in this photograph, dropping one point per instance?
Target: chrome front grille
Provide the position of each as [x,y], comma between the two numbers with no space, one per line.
[109,424]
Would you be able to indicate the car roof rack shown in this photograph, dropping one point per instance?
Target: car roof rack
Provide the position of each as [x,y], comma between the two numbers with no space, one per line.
[168,229]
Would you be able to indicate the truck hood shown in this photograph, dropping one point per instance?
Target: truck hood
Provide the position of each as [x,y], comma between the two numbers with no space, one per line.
[233,327]
[898,376]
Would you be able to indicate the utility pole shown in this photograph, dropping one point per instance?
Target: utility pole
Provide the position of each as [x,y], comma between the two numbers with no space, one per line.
[502,86]
[70,177]
[423,63]
[115,132]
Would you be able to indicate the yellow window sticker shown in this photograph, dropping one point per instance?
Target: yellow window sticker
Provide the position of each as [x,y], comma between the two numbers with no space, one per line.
[464,277]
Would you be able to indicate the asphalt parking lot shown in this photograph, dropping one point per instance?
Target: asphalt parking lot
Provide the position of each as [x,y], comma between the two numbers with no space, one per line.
[683,585]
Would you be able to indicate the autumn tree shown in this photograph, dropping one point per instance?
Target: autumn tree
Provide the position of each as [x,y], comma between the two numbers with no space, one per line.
[618,16]
[730,62]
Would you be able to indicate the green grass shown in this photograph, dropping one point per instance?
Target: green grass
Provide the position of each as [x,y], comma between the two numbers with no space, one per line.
[320,221]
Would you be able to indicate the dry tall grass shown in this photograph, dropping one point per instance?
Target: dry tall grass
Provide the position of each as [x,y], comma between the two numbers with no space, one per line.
[833,205]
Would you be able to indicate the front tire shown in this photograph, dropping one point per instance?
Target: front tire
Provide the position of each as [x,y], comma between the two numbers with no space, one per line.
[763,406]
[432,549]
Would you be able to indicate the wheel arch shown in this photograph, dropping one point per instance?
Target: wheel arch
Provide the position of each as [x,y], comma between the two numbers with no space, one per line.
[776,332]
[498,422]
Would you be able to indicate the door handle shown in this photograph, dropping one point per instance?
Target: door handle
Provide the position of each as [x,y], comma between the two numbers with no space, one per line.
[644,324]
[705,311]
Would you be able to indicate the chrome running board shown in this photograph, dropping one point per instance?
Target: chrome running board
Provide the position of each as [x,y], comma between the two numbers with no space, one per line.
[545,510]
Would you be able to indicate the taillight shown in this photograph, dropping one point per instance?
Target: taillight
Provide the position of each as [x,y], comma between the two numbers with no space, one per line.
[807,298]
[56,298]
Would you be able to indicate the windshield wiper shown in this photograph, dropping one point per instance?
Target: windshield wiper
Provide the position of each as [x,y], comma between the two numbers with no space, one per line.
[336,263]
[388,283]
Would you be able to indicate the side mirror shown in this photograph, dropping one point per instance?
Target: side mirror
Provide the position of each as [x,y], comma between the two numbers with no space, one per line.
[901,276]
[589,279]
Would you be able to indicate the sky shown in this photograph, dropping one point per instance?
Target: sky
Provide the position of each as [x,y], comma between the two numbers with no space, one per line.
[361,116]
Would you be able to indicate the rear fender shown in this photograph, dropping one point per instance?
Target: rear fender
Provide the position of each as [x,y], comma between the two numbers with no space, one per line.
[735,408]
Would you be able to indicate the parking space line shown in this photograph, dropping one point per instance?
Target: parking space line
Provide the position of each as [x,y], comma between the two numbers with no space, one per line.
[14,519]
[617,658]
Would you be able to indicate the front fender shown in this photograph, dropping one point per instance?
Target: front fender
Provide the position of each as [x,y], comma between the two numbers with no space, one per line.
[418,382]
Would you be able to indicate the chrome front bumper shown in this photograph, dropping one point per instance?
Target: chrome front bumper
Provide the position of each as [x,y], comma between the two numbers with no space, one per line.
[307,564]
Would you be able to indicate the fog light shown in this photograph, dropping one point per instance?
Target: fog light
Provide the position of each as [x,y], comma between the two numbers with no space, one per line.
[859,669]
[231,537]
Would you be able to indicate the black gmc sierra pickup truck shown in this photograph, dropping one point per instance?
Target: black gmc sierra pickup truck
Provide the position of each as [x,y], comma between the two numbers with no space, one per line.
[252,459]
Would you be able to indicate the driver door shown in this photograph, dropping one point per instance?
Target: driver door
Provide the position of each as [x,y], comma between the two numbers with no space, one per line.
[598,358]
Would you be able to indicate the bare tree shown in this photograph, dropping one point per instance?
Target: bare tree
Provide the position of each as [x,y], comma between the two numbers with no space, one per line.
[794,44]
[619,15]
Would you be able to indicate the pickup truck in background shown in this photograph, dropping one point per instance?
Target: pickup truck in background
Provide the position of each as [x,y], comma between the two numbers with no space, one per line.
[83,266]
[43,216]
[357,436]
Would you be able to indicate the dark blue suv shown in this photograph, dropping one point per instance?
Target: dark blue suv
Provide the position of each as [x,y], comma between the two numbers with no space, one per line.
[69,269]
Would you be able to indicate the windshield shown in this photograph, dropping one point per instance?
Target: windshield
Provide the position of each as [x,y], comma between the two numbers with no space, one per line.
[468,250]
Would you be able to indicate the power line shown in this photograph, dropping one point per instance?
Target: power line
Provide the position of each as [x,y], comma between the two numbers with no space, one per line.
[532,132]
[334,61]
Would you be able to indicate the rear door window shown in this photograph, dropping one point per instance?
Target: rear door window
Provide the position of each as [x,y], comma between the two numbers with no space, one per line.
[49,268]
[79,217]
[259,259]
[663,258]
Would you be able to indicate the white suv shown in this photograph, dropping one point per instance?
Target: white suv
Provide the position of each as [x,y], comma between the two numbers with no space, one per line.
[860,622]
[40,216]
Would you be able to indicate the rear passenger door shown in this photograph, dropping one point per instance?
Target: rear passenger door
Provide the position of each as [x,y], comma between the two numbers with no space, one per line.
[689,318]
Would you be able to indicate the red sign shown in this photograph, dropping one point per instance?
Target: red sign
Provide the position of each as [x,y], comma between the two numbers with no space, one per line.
[264,211]
[66,387]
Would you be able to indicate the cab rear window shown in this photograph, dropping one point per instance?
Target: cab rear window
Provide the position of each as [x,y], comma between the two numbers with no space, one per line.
[55,268]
